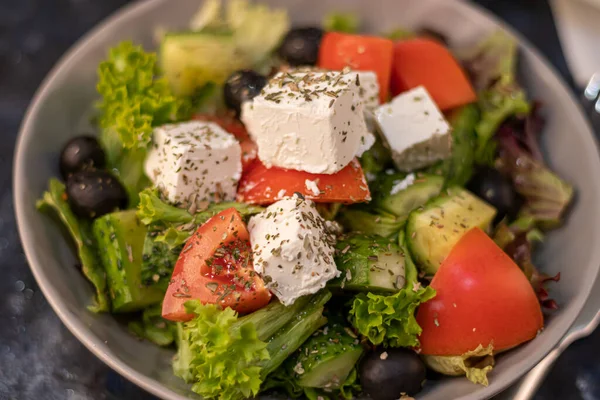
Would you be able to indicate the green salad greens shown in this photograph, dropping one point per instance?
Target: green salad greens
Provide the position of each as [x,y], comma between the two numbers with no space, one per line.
[311,257]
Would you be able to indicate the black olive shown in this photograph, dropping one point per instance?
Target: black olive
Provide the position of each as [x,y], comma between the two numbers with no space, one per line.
[495,188]
[386,374]
[242,86]
[301,46]
[79,153]
[434,34]
[93,193]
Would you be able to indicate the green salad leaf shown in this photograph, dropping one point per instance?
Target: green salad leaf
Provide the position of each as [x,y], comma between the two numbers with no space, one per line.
[341,22]
[80,231]
[492,66]
[228,357]
[153,327]
[475,364]
[257,29]
[390,320]
[133,101]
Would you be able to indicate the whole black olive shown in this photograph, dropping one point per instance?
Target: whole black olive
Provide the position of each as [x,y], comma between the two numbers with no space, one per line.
[242,86]
[93,193]
[495,188]
[301,46]
[386,374]
[79,153]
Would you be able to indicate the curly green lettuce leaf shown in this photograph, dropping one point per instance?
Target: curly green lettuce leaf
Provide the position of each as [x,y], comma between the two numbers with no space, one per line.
[346,22]
[80,231]
[475,364]
[153,327]
[390,320]
[153,210]
[219,358]
[228,357]
[133,99]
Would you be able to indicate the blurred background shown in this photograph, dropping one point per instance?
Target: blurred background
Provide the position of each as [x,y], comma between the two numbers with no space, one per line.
[39,358]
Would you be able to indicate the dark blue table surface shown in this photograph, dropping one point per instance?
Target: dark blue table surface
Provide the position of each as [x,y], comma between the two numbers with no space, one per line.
[39,358]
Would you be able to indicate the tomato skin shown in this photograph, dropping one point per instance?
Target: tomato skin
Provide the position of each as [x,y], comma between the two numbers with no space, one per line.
[482,297]
[237,129]
[261,185]
[426,62]
[361,53]
[196,276]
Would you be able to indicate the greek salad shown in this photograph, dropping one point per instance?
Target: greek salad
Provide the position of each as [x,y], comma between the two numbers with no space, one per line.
[313,210]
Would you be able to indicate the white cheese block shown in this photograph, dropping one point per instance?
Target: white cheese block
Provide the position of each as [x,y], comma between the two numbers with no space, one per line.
[292,249]
[308,121]
[368,90]
[414,129]
[194,161]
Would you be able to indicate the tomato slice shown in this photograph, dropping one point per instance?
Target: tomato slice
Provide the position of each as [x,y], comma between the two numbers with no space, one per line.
[215,267]
[262,185]
[482,298]
[361,53]
[237,129]
[426,62]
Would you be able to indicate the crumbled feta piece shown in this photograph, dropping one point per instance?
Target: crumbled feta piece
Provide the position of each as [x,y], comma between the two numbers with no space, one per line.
[403,184]
[194,161]
[308,121]
[414,129]
[292,249]
[312,186]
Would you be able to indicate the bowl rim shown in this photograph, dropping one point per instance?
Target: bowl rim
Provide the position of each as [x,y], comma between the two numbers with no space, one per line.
[78,327]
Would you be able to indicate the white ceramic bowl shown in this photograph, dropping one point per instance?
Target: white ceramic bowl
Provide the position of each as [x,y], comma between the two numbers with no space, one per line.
[69,90]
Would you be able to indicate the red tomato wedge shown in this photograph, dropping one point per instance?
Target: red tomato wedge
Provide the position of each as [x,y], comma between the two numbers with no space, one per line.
[262,185]
[482,298]
[237,129]
[215,267]
[426,62]
[361,53]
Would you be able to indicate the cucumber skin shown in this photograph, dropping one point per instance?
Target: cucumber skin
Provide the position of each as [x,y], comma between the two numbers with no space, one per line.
[120,237]
[322,349]
[358,248]
[401,204]
[417,251]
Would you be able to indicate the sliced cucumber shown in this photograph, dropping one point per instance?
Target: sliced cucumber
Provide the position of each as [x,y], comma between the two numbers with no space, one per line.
[120,236]
[369,263]
[190,60]
[433,230]
[419,190]
[326,359]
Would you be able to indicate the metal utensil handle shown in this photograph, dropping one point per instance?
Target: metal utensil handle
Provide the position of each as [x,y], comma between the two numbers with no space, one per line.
[526,388]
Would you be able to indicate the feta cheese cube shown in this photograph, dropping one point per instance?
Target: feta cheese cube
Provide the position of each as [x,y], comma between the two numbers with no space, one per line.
[194,161]
[308,121]
[414,129]
[292,249]
[368,89]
